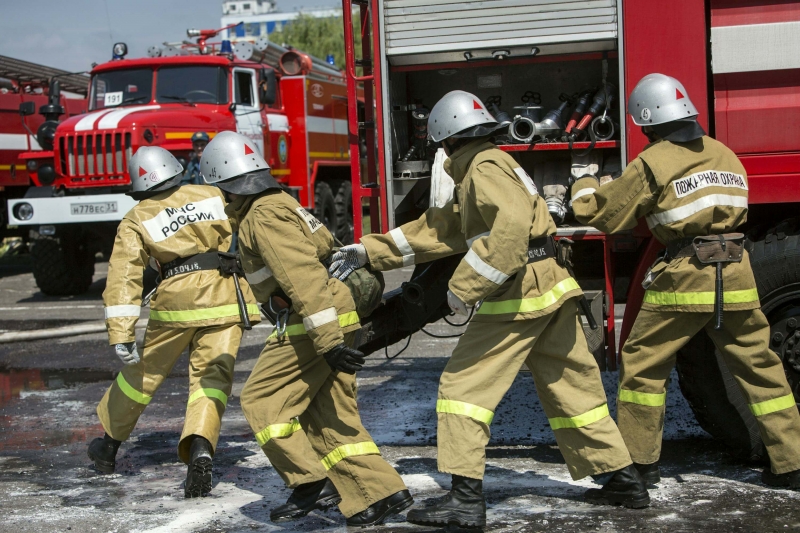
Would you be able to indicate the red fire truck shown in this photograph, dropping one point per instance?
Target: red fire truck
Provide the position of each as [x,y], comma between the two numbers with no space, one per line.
[525,58]
[28,83]
[293,106]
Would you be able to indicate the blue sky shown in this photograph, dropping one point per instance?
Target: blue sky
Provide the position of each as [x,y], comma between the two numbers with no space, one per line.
[72,34]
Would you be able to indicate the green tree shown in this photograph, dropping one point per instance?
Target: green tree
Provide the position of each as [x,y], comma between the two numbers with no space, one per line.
[316,36]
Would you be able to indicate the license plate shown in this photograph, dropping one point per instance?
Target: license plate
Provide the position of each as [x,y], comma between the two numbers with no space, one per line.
[96,208]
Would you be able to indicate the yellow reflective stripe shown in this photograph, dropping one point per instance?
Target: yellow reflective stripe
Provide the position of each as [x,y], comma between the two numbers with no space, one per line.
[642,398]
[277,430]
[771,406]
[527,305]
[209,393]
[598,413]
[347,319]
[349,450]
[475,412]
[699,298]
[201,314]
[130,392]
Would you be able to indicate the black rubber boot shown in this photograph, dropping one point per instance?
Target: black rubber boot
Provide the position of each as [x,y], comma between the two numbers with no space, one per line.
[626,487]
[198,475]
[103,451]
[464,507]
[306,498]
[379,511]
[788,480]
[651,474]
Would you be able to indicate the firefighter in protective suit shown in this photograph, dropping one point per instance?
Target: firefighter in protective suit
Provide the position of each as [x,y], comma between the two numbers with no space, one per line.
[528,315]
[300,399]
[195,306]
[692,191]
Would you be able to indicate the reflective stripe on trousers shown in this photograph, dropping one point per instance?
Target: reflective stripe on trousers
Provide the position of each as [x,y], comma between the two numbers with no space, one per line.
[642,398]
[130,392]
[528,305]
[347,319]
[699,298]
[349,450]
[475,412]
[209,393]
[274,431]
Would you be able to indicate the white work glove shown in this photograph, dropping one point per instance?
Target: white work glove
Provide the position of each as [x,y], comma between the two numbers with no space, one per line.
[348,259]
[456,305]
[127,352]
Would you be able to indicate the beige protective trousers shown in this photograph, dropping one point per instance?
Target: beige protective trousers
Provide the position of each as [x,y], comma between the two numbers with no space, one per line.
[649,355]
[483,367]
[212,356]
[305,418]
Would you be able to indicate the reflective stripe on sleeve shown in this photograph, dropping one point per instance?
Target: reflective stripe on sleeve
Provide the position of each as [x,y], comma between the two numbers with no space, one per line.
[642,398]
[685,211]
[345,320]
[583,192]
[349,450]
[262,274]
[476,237]
[475,412]
[572,422]
[120,311]
[772,406]
[209,393]
[402,244]
[130,392]
[529,305]
[485,269]
[320,318]
[275,431]
[210,313]
[699,298]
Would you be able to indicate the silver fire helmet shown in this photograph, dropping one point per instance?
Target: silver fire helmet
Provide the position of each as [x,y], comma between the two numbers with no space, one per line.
[460,114]
[234,163]
[151,167]
[658,99]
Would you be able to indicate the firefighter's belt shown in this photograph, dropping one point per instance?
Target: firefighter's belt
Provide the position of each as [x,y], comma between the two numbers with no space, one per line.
[541,249]
[225,263]
[721,248]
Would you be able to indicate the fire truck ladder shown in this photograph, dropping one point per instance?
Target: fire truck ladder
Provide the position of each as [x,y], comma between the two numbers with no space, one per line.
[367,186]
[24,73]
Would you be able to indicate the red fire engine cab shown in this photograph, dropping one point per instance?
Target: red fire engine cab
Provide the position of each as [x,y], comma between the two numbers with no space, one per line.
[293,106]
[28,83]
[560,74]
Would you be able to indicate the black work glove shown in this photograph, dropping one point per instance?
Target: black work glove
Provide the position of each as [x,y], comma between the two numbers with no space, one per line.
[344,358]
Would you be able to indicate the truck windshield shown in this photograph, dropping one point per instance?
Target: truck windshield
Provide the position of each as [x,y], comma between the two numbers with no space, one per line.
[121,87]
[196,84]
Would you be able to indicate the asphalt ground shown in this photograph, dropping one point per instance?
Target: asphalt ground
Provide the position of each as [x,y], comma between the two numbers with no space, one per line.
[49,390]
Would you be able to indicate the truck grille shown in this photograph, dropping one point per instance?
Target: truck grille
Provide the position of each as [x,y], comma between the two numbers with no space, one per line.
[95,158]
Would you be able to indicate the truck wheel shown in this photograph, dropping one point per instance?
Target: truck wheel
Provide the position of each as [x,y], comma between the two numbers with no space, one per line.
[62,263]
[712,392]
[325,206]
[344,213]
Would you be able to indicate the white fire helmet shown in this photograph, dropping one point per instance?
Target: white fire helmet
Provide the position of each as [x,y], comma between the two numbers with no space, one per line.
[658,99]
[460,114]
[151,167]
[234,163]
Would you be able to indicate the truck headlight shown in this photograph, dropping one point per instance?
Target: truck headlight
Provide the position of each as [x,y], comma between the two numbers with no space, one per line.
[23,211]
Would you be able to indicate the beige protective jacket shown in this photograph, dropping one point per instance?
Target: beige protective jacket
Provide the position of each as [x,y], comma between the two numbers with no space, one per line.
[177,223]
[498,211]
[282,247]
[682,189]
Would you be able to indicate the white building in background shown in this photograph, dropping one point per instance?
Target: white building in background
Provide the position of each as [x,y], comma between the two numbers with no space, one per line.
[262,17]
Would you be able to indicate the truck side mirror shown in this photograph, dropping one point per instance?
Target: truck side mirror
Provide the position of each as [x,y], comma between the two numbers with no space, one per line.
[27,108]
[268,87]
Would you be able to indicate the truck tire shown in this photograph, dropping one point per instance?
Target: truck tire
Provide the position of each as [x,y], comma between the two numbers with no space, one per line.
[325,205]
[344,213]
[62,263]
[712,392]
